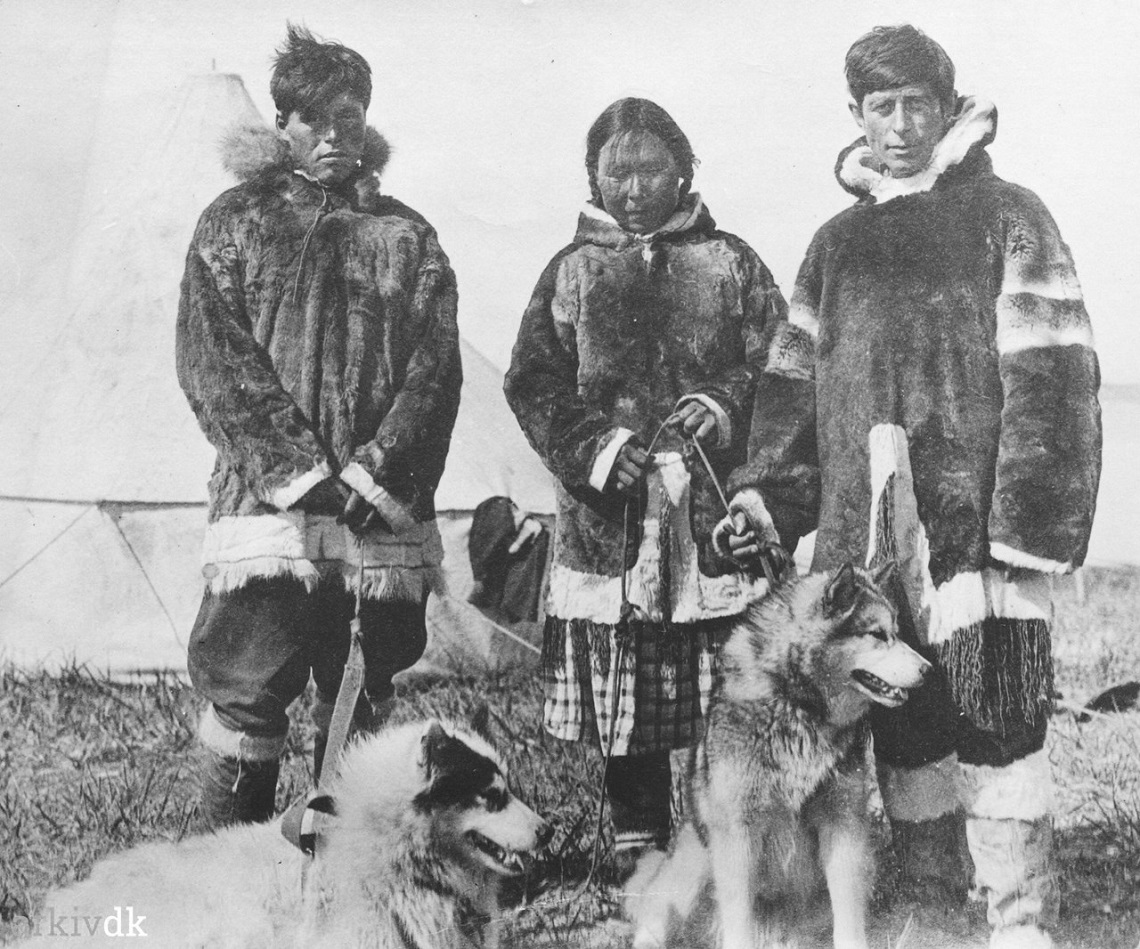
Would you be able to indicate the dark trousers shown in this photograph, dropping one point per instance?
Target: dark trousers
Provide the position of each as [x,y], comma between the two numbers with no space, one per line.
[252,650]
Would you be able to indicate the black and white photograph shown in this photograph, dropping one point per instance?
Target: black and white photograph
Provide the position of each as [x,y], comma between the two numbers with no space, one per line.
[603,474]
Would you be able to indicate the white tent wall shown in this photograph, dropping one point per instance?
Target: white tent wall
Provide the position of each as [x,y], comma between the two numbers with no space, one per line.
[95,414]
[113,587]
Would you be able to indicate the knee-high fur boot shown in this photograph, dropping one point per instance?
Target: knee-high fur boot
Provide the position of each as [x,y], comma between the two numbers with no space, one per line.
[924,806]
[234,791]
[237,773]
[1010,832]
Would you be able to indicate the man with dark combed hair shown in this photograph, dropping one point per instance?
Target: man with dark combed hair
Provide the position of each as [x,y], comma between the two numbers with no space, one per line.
[933,400]
[317,345]
[893,56]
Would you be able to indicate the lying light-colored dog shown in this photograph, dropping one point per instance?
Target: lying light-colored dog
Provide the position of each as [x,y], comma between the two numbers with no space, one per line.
[424,831]
[775,796]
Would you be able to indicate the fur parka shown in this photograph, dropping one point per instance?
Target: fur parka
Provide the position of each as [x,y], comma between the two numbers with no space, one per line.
[316,338]
[617,332]
[933,396]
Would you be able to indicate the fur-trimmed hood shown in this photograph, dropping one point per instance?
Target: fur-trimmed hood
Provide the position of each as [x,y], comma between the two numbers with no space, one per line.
[250,152]
[973,127]
[595,226]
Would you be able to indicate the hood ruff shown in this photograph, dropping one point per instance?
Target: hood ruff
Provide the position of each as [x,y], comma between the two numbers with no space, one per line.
[973,127]
[252,152]
[597,227]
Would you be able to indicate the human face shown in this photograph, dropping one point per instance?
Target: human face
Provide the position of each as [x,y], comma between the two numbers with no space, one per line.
[902,126]
[639,180]
[326,139]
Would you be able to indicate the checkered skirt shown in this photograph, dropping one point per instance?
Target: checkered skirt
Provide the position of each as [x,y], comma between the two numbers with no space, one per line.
[649,686]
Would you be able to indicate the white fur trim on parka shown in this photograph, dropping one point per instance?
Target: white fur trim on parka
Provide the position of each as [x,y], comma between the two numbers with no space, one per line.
[975,122]
[574,594]
[239,549]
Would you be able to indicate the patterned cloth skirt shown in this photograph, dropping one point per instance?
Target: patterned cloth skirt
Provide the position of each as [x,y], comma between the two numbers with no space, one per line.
[647,688]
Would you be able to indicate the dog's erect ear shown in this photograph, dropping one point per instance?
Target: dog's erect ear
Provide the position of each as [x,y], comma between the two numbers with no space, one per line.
[432,747]
[453,771]
[884,574]
[842,591]
[481,721]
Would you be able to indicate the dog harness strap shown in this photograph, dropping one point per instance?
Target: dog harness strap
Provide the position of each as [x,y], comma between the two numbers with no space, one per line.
[301,823]
[351,685]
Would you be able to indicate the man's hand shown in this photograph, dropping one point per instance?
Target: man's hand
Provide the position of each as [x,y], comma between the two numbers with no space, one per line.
[628,471]
[527,528]
[358,515]
[734,537]
[325,497]
[695,418]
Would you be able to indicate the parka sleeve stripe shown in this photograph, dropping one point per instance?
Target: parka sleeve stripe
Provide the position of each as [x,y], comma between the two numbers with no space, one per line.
[803,316]
[1048,465]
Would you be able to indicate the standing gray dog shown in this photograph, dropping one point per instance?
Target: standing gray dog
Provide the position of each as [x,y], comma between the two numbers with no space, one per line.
[776,799]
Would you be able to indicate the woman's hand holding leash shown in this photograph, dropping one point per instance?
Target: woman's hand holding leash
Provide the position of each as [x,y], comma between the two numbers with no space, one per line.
[696,420]
[629,469]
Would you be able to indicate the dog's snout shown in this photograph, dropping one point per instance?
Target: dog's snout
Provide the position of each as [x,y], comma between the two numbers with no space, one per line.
[545,834]
[924,670]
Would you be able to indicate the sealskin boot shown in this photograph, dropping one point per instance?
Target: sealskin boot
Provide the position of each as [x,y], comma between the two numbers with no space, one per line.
[234,791]
[1015,873]
[933,860]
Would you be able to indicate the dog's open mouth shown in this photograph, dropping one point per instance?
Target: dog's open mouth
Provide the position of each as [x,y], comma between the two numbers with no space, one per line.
[878,690]
[510,862]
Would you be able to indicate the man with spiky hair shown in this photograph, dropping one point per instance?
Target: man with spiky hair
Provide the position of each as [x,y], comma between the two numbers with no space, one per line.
[317,345]
[933,400]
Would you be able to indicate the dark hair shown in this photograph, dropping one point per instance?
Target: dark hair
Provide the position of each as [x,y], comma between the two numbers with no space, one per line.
[637,115]
[307,71]
[893,56]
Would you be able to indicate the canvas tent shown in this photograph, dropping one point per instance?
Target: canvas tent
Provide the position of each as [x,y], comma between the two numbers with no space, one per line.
[103,480]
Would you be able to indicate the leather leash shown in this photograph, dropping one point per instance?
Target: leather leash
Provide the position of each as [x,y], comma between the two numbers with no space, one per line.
[774,559]
[301,823]
[771,555]
[351,683]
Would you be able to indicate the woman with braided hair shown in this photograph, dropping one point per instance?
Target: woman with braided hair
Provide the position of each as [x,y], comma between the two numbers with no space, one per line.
[651,313]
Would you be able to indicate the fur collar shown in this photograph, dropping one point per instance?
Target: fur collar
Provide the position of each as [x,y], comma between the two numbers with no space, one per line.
[972,129]
[595,226]
[251,152]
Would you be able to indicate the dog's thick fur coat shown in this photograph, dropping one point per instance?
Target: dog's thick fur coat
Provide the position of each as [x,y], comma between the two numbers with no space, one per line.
[775,795]
[424,834]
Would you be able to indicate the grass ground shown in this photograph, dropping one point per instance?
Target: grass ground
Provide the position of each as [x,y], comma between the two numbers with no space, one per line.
[89,766]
